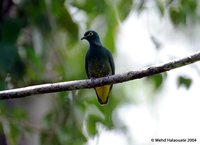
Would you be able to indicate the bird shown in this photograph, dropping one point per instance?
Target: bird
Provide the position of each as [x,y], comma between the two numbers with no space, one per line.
[98,63]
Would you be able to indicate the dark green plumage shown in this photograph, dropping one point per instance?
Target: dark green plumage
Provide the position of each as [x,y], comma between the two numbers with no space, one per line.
[98,63]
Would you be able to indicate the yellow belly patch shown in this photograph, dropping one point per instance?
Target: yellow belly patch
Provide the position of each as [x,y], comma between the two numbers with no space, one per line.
[103,93]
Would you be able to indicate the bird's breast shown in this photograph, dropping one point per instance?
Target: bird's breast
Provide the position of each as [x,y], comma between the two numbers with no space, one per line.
[98,64]
[99,70]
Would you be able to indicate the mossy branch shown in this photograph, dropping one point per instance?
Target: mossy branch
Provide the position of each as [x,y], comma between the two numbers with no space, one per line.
[83,84]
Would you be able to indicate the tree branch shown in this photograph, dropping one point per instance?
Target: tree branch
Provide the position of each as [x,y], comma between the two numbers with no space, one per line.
[114,79]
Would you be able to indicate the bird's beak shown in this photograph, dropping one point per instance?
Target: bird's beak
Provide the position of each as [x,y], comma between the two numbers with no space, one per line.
[84,37]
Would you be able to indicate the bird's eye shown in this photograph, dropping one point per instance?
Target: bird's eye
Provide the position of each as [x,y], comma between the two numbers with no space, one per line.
[90,34]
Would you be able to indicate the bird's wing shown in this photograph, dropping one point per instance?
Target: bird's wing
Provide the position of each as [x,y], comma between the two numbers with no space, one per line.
[86,65]
[111,61]
[103,92]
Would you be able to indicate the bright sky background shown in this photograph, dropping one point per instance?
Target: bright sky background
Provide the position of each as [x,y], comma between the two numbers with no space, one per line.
[175,113]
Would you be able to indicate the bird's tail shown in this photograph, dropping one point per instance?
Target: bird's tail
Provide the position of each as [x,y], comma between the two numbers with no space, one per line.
[103,93]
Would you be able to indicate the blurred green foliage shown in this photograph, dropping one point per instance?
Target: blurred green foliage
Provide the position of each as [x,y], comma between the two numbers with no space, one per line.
[12,122]
[183,11]
[184,81]
[157,80]
[39,42]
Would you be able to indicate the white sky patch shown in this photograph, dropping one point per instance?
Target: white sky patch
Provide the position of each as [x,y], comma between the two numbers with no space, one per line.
[134,43]
[177,109]
[139,121]
[109,138]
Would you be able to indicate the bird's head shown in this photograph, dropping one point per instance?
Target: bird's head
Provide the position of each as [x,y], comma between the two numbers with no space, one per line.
[91,36]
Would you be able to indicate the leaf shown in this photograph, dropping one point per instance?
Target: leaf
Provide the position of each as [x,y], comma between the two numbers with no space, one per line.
[34,59]
[189,5]
[10,29]
[14,133]
[124,8]
[92,124]
[192,4]
[109,39]
[18,113]
[1,128]
[10,61]
[107,111]
[157,80]
[2,85]
[3,108]
[36,12]
[160,6]
[91,7]
[64,19]
[177,15]
[184,81]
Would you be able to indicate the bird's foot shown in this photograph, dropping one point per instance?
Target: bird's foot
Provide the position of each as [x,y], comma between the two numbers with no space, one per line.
[92,79]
